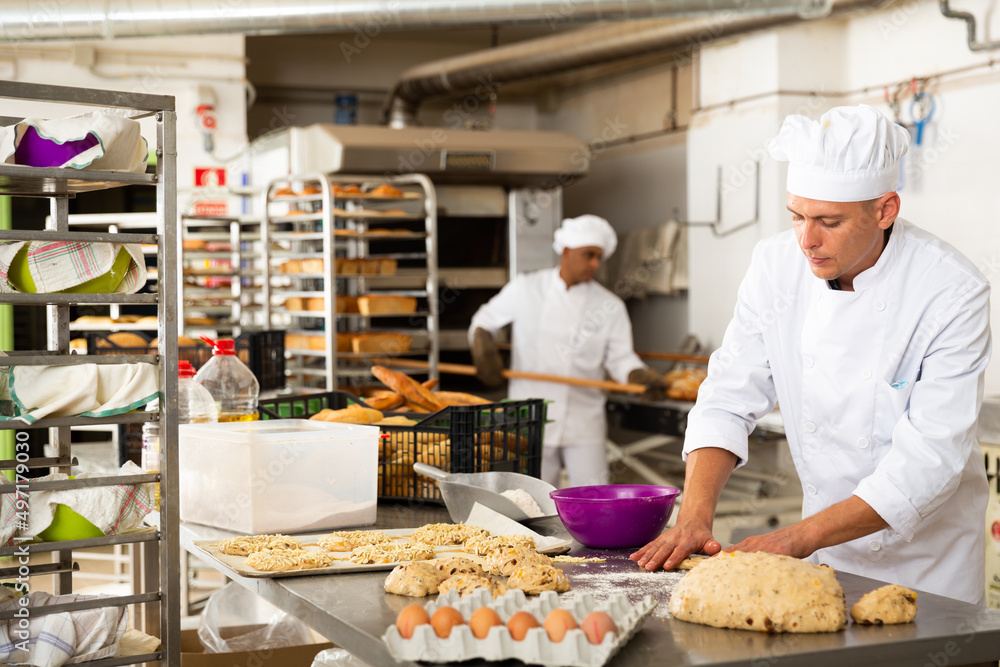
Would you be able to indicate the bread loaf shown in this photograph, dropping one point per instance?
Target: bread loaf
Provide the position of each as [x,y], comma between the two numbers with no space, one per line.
[408,387]
[123,339]
[295,303]
[387,266]
[761,592]
[347,304]
[354,414]
[317,341]
[385,400]
[386,305]
[348,267]
[312,265]
[369,267]
[381,343]
[460,398]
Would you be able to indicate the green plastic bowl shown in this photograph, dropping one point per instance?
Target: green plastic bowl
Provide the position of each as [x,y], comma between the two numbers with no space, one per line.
[68,525]
[20,277]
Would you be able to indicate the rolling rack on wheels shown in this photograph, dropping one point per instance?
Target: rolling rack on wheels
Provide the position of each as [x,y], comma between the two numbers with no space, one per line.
[156,597]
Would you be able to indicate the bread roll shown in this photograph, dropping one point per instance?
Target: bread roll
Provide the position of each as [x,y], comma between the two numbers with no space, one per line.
[386,190]
[123,339]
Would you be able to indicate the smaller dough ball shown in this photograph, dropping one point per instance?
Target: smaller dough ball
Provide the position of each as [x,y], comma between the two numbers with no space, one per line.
[888,605]
[533,579]
[415,579]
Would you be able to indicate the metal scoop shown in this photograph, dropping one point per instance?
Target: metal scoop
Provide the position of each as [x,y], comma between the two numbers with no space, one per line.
[462,490]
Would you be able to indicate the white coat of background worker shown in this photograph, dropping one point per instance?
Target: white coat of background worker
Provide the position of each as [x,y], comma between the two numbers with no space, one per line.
[874,344]
[566,324]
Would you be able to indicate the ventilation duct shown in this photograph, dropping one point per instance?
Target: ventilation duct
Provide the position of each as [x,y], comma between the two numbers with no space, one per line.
[591,45]
[32,20]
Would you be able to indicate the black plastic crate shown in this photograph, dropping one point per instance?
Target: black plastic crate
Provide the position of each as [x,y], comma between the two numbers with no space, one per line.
[505,436]
[262,351]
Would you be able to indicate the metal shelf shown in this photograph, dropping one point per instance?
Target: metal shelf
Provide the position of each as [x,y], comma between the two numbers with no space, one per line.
[157,611]
[111,540]
[54,422]
[18,180]
[75,299]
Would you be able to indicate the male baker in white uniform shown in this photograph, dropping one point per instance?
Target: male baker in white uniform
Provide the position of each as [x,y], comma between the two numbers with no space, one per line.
[874,344]
[565,323]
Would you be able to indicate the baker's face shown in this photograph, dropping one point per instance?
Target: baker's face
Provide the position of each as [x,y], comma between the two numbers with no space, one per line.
[839,239]
[580,265]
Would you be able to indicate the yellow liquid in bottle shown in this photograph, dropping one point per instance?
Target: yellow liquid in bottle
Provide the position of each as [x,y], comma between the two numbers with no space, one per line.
[239,418]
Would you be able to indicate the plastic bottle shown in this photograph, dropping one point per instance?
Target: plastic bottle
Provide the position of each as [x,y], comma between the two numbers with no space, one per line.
[230,382]
[194,406]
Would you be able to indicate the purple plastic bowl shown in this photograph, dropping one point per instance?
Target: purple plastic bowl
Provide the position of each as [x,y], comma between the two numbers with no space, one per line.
[615,516]
[37,151]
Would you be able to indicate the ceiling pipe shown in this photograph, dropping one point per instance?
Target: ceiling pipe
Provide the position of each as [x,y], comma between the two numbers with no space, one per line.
[591,45]
[34,20]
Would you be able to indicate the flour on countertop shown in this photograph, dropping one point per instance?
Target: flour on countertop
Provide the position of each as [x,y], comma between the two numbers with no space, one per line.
[601,584]
[523,499]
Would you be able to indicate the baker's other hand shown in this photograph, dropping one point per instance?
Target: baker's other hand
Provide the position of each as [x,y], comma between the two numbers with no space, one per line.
[786,541]
[487,359]
[656,388]
[676,544]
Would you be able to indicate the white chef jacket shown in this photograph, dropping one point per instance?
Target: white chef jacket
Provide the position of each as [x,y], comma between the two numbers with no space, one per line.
[580,332]
[879,390]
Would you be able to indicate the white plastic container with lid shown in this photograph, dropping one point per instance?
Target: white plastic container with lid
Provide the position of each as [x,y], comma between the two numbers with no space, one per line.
[194,405]
[279,475]
[230,382]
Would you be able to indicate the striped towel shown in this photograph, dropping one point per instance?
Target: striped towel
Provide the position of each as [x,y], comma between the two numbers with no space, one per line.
[113,509]
[61,638]
[58,265]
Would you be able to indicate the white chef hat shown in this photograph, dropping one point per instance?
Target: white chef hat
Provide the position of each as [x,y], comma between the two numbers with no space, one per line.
[850,154]
[586,230]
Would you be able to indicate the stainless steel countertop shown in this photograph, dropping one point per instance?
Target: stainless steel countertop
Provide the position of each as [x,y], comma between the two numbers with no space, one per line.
[353,611]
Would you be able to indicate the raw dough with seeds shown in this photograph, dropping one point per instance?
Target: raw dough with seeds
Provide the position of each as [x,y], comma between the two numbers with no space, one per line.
[415,579]
[283,560]
[447,533]
[761,592]
[248,544]
[464,584]
[505,560]
[346,540]
[483,546]
[391,553]
[458,565]
[533,579]
[887,605]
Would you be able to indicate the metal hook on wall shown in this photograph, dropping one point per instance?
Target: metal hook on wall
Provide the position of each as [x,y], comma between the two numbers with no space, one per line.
[716,225]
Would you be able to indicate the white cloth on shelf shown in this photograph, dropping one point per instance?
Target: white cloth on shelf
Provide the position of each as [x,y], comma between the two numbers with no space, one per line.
[120,145]
[63,638]
[650,260]
[88,390]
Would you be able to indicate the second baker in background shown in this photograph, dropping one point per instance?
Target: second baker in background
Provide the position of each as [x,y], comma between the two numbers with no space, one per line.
[566,324]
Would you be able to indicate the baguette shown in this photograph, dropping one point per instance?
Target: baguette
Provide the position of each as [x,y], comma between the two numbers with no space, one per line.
[355,414]
[386,401]
[431,384]
[412,391]
[460,398]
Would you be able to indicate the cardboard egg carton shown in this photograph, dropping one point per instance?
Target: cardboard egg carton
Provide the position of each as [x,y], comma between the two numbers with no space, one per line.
[536,648]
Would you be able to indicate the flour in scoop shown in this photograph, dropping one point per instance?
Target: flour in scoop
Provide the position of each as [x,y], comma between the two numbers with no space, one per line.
[523,499]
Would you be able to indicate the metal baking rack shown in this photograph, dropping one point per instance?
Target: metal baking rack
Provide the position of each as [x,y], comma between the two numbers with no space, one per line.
[156,601]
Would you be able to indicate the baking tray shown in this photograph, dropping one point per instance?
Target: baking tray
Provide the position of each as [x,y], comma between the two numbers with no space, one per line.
[237,564]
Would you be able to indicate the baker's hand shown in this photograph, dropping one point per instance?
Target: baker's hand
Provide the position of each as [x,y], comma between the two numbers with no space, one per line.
[787,541]
[673,546]
[486,357]
[656,388]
